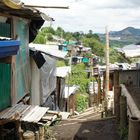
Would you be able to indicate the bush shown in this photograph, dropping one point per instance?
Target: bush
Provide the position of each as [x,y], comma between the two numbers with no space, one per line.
[79,77]
[123,132]
[81,102]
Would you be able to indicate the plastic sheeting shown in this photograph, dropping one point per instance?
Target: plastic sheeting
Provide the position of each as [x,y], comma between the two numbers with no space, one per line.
[63,71]
[47,78]
[70,90]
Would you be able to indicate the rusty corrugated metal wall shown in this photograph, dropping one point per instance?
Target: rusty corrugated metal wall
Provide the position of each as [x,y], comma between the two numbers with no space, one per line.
[5,85]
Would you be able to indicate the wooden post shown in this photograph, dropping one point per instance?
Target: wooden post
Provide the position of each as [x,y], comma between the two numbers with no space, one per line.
[134,129]
[40,6]
[41,133]
[28,135]
[103,86]
[117,94]
[19,131]
[107,68]
[116,91]
[99,90]
[72,103]
[58,83]
[116,78]
[123,112]
[36,135]
[91,100]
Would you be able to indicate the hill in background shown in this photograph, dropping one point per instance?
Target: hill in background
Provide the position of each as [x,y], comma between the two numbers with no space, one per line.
[129,35]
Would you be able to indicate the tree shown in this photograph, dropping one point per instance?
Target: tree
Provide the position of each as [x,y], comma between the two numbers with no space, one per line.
[59,32]
[46,30]
[40,39]
[77,36]
[79,77]
[96,46]
[49,37]
[68,36]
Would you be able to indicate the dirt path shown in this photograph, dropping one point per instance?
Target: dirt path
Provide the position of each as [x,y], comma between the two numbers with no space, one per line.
[87,129]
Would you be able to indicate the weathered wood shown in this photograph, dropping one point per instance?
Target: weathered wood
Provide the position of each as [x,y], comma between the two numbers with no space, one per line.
[35,114]
[133,108]
[13,80]
[134,129]
[72,103]
[107,67]
[36,135]
[117,94]
[116,78]
[7,60]
[103,86]
[53,112]
[91,100]
[99,90]
[19,131]
[28,135]
[77,113]
[50,118]
[58,87]
[40,6]
[85,114]
[123,112]
[41,133]
[64,115]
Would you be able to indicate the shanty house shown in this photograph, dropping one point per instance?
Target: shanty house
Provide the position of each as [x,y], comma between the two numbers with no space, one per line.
[62,73]
[43,72]
[18,27]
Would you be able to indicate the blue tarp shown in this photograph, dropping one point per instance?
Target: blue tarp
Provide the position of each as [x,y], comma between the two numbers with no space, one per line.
[9,47]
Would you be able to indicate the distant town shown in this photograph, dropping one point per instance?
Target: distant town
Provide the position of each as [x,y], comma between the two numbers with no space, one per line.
[62,85]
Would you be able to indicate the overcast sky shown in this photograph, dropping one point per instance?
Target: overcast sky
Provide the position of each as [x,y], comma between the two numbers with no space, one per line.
[84,15]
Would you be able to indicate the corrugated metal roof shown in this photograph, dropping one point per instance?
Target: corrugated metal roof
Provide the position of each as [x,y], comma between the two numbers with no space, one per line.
[21,10]
[14,112]
[130,50]
[22,112]
[35,114]
[51,50]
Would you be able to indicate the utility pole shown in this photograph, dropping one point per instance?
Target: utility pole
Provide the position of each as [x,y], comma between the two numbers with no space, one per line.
[107,68]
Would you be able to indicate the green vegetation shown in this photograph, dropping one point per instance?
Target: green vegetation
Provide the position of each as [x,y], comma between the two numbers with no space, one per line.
[60,63]
[78,74]
[89,39]
[123,132]
[117,57]
[96,46]
[81,102]
[79,77]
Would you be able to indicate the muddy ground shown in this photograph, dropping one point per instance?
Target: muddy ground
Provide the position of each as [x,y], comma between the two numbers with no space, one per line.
[87,127]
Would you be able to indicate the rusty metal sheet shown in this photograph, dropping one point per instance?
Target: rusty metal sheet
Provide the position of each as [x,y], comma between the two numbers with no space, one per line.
[14,112]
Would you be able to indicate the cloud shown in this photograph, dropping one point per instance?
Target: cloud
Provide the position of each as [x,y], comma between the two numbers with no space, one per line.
[84,15]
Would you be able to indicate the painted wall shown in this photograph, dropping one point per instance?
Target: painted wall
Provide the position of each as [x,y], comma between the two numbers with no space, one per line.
[21,73]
